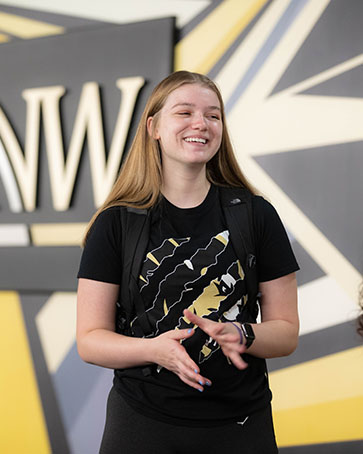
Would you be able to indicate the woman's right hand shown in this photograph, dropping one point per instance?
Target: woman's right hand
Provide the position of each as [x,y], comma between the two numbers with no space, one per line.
[169,353]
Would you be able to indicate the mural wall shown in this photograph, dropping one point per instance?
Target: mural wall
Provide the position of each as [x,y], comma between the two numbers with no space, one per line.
[74,80]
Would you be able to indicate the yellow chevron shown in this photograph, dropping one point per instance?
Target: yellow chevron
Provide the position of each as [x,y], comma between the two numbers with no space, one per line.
[319,401]
[22,424]
[206,44]
[26,28]
[330,422]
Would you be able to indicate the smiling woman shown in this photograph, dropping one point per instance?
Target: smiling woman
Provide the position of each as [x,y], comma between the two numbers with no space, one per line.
[169,305]
[189,131]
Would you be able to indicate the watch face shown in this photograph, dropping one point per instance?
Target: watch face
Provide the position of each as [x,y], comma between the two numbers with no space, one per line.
[249,331]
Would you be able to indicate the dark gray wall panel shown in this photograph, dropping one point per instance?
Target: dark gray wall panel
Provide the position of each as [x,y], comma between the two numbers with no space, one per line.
[328,44]
[327,184]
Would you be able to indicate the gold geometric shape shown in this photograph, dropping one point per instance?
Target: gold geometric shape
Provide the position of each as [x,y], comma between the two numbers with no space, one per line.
[330,422]
[213,36]
[22,424]
[319,401]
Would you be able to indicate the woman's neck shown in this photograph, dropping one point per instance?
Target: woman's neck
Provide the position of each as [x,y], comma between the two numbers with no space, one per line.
[186,189]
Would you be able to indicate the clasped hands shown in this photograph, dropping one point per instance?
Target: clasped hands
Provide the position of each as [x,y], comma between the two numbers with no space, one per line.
[169,352]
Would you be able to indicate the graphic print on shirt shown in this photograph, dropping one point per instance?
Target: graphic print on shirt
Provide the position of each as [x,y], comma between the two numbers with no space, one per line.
[156,257]
[205,280]
[211,300]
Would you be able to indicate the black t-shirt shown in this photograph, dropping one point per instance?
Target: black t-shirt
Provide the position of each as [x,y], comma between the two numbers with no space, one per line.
[190,263]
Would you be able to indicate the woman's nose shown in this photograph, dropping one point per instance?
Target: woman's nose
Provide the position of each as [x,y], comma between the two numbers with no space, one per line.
[199,121]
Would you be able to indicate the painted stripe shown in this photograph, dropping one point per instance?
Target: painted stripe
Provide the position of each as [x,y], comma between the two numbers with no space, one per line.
[4,38]
[328,422]
[14,235]
[64,234]
[26,28]
[331,378]
[23,428]
[323,251]
[215,34]
[290,14]
[318,344]
[56,323]
[324,76]
[312,400]
[318,313]
[237,66]
[8,179]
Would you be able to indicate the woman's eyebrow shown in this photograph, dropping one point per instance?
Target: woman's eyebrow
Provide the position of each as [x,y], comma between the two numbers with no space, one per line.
[189,104]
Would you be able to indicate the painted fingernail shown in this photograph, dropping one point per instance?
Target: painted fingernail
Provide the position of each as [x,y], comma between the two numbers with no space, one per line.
[208,383]
[200,390]
[195,370]
[189,331]
[200,382]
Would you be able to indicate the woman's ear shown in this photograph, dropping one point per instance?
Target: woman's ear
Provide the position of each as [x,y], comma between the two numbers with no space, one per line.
[151,128]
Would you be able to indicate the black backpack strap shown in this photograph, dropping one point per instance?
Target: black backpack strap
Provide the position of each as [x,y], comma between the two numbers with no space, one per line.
[238,211]
[135,227]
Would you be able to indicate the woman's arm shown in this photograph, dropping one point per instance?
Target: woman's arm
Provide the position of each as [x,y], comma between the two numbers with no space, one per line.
[276,335]
[98,343]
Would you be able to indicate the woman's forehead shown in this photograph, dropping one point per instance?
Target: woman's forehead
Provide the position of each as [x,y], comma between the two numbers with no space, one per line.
[192,94]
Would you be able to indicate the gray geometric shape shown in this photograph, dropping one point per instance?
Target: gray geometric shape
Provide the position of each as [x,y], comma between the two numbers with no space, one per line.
[336,37]
[74,382]
[327,184]
[319,344]
[309,269]
[348,447]
[39,268]
[86,434]
[347,84]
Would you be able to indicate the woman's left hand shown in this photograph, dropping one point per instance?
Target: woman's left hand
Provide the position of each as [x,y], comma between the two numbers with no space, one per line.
[225,334]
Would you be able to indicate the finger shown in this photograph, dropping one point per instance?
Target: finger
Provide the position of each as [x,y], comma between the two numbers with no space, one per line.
[195,380]
[208,326]
[191,383]
[179,334]
[193,317]
[186,364]
[237,360]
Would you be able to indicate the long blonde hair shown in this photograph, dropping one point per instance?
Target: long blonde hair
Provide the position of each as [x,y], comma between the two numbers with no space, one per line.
[140,178]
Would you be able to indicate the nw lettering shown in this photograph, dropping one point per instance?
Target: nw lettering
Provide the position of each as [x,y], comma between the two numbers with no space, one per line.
[19,170]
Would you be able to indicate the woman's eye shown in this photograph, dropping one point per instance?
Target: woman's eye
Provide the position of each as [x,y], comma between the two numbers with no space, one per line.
[183,113]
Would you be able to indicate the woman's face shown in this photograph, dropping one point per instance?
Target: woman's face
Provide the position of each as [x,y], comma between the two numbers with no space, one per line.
[189,126]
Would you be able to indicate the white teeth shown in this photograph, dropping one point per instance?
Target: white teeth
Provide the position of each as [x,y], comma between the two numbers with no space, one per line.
[195,139]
